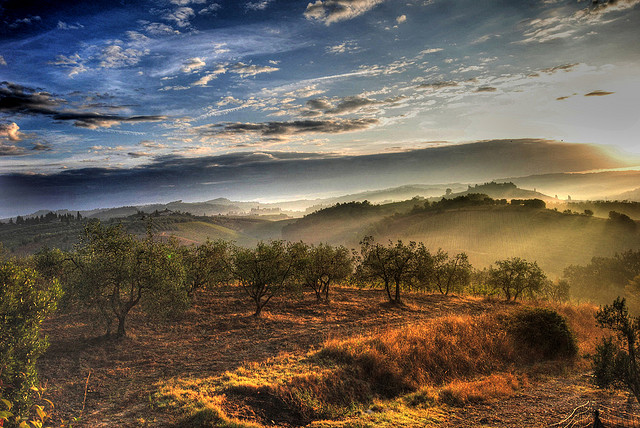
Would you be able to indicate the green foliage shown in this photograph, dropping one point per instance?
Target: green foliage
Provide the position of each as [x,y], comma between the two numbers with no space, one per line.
[556,291]
[206,265]
[516,277]
[543,332]
[387,265]
[264,271]
[115,271]
[450,274]
[616,359]
[604,278]
[26,299]
[322,265]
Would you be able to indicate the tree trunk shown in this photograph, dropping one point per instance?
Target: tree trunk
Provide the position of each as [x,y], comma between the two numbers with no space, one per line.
[258,309]
[397,300]
[386,287]
[121,331]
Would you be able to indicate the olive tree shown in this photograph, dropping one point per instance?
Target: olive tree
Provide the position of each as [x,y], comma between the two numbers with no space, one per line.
[388,265]
[264,271]
[206,265]
[115,272]
[322,265]
[516,277]
[450,273]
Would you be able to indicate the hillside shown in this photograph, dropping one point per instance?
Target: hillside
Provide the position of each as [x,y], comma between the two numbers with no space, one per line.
[485,232]
[188,229]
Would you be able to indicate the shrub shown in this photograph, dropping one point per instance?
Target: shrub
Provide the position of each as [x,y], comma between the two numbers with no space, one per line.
[543,332]
[25,301]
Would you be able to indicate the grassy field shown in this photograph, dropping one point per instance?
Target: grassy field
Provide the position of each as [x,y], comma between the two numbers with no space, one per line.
[358,362]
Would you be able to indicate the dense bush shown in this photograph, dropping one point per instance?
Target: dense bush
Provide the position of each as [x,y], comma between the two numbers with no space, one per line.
[25,301]
[541,331]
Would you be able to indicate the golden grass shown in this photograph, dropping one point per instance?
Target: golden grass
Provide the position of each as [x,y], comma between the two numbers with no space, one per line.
[451,360]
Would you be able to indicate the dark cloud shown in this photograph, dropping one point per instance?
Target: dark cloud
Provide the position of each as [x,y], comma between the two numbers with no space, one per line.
[18,99]
[41,147]
[563,67]
[598,93]
[437,85]
[486,89]
[295,127]
[280,174]
[345,105]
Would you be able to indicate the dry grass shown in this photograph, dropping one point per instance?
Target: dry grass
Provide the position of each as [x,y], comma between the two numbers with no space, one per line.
[355,362]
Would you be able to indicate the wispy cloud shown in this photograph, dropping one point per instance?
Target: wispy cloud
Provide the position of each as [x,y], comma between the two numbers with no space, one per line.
[331,11]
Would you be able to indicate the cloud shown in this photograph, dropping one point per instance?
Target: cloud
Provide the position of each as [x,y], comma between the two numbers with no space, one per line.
[73,63]
[486,89]
[401,19]
[330,11]
[41,147]
[563,67]
[192,64]
[10,131]
[204,80]
[598,93]
[563,98]
[18,99]
[273,174]
[438,85]
[257,5]
[187,2]
[115,56]
[346,47]
[159,29]
[210,10]
[248,70]
[297,127]
[180,16]
[65,26]
[430,51]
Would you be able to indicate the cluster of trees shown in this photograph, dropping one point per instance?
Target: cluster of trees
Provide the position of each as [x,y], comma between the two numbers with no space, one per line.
[605,278]
[110,272]
[49,217]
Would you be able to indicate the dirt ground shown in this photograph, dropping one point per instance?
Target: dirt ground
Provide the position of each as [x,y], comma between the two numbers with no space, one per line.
[97,383]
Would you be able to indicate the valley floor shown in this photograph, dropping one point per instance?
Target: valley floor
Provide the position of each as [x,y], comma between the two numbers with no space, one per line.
[98,383]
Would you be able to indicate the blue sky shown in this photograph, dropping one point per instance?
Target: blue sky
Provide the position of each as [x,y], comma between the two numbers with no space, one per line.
[125,85]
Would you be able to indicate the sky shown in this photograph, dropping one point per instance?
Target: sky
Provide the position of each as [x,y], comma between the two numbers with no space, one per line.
[167,89]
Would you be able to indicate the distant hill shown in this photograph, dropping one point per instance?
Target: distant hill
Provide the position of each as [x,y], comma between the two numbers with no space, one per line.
[503,191]
[631,195]
[485,231]
[589,185]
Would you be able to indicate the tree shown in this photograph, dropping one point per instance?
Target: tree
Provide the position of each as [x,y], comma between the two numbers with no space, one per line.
[115,272]
[206,265]
[516,277]
[388,265]
[450,274]
[264,271]
[323,265]
[616,359]
[26,299]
